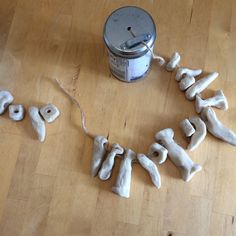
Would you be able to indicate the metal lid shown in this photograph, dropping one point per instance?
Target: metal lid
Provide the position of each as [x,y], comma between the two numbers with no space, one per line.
[125,30]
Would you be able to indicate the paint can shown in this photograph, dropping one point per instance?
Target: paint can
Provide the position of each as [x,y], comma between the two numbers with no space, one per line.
[129,35]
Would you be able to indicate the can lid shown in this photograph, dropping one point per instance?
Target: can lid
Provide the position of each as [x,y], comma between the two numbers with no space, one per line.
[125,30]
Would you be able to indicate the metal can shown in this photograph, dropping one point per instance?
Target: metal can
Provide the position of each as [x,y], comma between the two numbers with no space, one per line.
[129,35]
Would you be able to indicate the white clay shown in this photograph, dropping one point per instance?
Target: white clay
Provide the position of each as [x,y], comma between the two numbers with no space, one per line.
[99,151]
[218,100]
[37,123]
[16,112]
[157,151]
[177,154]
[199,134]
[123,181]
[187,128]
[216,128]
[186,82]
[151,168]
[49,112]
[185,71]
[6,98]
[174,61]
[200,85]
[107,165]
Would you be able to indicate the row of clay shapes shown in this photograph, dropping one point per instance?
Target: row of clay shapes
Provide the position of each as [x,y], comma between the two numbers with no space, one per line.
[195,128]
[37,115]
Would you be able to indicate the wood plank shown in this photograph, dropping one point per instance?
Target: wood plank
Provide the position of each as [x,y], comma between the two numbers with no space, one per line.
[46,188]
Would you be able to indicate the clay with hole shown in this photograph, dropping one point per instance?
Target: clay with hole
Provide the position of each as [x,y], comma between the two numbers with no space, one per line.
[49,112]
[157,152]
[16,112]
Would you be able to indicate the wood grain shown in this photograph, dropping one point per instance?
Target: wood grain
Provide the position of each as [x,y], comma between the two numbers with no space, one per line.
[46,188]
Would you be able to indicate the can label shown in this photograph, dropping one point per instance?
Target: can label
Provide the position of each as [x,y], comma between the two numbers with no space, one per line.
[118,65]
[129,69]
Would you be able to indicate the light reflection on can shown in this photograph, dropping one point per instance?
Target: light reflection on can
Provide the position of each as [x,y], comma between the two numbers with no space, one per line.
[125,32]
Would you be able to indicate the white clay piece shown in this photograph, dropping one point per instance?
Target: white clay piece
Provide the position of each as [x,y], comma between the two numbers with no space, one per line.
[200,133]
[181,72]
[151,168]
[6,99]
[218,100]
[174,61]
[37,123]
[49,112]
[200,85]
[158,152]
[186,82]
[123,181]
[216,128]
[99,152]
[187,128]
[178,155]
[107,165]
[16,112]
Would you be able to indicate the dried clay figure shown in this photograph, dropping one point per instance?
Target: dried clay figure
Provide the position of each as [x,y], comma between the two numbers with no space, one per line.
[123,181]
[6,99]
[107,165]
[178,155]
[151,168]
[216,128]
[99,152]
[174,61]
[200,85]
[186,72]
[37,123]
[218,100]
[200,133]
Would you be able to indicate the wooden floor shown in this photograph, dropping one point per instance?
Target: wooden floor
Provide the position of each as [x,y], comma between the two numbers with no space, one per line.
[46,188]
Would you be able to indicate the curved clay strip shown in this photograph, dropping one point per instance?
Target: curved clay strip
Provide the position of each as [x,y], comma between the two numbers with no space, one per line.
[99,152]
[151,168]
[107,165]
[216,128]
[178,155]
[6,98]
[199,134]
[123,181]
